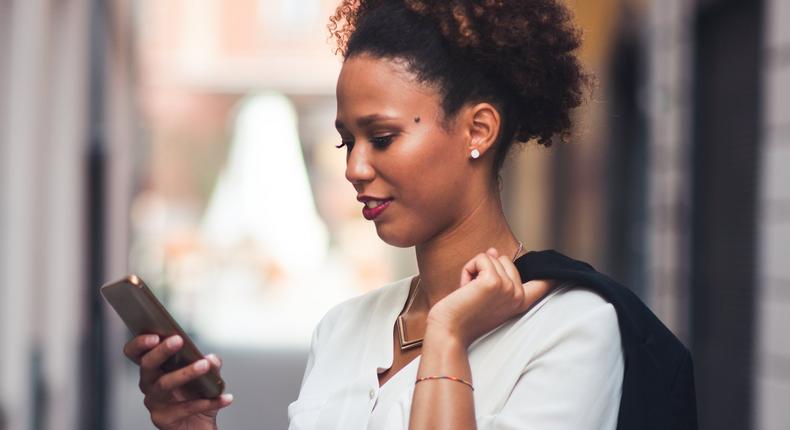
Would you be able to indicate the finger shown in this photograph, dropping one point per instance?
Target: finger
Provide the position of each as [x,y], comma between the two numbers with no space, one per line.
[538,287]
[170,381]
[535,290]
[163,417]
[193,407]
[475,267]
[510,269]
[512,276]
[139,345]
[151,362]
[215,361]
[504,279]
[157,356]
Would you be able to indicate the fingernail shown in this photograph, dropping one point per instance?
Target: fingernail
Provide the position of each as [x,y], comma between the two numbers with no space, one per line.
[173,341]
[201,365]
[213,359]
[151,340]
[227,397]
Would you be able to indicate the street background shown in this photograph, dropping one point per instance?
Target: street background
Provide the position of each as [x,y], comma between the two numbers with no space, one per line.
[191,142]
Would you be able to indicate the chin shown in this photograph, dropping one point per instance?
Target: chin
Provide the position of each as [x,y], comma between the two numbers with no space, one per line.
[391,236]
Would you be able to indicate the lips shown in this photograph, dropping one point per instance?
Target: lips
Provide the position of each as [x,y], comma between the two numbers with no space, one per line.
[371,213]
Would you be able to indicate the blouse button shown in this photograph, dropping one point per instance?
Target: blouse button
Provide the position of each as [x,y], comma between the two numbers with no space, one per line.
[372,393]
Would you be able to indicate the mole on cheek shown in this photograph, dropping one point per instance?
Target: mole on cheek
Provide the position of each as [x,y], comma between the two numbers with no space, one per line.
[416,119]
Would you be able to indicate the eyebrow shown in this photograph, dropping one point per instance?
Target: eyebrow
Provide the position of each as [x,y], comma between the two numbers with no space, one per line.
[365,120]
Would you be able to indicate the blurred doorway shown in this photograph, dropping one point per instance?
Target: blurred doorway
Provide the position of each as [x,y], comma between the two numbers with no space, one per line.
[726,136]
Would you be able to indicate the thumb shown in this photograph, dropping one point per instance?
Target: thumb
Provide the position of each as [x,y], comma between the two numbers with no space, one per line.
[535,290]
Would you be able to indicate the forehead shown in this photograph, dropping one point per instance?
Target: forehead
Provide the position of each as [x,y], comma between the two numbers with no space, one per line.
[370,85]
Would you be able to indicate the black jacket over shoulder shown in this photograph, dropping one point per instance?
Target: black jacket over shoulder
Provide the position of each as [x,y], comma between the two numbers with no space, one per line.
[658,383]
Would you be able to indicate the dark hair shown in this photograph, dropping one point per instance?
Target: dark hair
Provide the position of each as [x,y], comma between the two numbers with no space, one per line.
[517,55]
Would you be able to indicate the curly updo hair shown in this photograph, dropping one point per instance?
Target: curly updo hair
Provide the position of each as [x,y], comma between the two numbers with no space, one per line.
[516,54]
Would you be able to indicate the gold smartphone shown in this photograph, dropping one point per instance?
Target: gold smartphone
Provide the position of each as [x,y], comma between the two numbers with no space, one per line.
[143,313]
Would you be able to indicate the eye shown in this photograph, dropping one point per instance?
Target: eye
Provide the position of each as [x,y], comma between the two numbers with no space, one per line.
[347,143]
[378,141]
[382,141]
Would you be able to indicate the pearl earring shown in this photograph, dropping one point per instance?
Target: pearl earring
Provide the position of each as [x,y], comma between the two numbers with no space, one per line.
[475,153]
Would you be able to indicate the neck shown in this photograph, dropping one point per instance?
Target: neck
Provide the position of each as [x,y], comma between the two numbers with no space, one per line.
[441,259]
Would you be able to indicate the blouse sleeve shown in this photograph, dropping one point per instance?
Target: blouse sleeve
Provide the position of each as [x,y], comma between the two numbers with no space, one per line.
[310,356]
[574,381]
[306,400]
[316,341]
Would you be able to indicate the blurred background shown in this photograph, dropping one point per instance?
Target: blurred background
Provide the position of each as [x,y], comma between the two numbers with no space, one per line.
[192,142]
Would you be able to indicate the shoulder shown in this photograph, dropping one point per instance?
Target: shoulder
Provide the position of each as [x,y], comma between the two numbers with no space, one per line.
[572,303]
[574,298]
[574,311]
[569,335]
[570,313]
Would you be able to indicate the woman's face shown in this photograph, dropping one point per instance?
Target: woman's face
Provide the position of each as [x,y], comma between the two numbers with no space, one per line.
[399,149]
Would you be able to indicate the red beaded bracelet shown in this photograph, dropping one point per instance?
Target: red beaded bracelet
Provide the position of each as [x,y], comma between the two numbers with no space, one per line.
[452,378]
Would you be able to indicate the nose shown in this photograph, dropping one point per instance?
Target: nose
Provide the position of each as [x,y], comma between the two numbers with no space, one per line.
[358,167]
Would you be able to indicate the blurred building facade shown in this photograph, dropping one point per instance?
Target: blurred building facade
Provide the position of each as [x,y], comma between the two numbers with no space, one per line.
[692,196]
[675,182]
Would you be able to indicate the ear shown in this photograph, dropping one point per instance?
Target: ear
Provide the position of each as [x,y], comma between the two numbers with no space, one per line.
[483,122]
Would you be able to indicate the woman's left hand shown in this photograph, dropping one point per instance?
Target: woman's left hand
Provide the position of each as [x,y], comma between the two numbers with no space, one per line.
[490,293]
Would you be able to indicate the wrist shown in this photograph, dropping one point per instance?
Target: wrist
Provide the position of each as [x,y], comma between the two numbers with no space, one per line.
[444,354]
[439,336]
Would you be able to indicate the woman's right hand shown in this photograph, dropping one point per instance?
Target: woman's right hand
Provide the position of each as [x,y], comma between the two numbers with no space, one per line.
[171,407]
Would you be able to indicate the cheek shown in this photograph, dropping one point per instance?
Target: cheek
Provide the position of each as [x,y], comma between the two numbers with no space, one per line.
[434,177]
[429,187]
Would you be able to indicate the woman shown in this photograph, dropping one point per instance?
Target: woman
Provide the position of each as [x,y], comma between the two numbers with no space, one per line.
[430,100]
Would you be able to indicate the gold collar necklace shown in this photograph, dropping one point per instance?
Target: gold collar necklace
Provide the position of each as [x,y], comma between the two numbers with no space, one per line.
[409,344]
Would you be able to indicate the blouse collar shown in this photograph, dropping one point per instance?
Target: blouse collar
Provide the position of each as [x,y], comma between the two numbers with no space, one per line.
[387,309]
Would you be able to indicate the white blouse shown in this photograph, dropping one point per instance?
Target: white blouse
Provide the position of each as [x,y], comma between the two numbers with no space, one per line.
[558,366]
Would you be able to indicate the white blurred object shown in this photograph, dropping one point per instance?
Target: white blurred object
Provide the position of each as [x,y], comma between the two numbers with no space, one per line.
[263,196]
[265,280]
